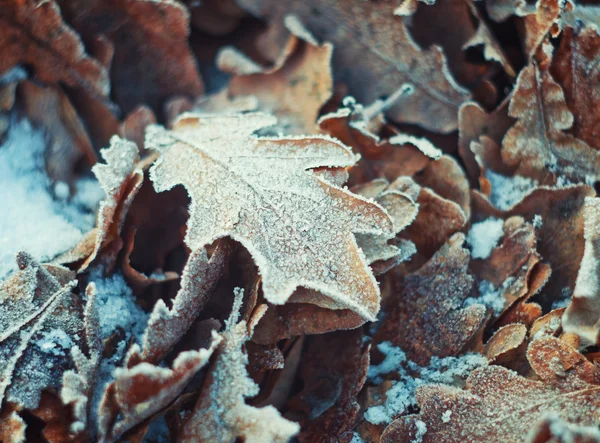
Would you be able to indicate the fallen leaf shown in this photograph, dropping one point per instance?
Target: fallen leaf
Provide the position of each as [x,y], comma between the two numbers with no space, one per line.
[326,407]
[294,89]
[537,144]
[575,70]
[582,316]
[220,414]
[41,320]
[152,59]
[568,386]
[235,197]
[380,40]
[34,34]
[425,317]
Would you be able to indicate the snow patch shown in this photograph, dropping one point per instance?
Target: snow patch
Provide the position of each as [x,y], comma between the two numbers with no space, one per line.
[484,236]
[490,296]
[508,191]
[35,215]
[447,370]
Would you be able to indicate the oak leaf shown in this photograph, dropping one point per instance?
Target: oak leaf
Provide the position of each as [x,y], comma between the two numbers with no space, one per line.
[567,385]
[425,315]
[220,413]
[258,191]
[34,34]
[294,89]
[537,143]
[583,313]
[40,320]
[369,34]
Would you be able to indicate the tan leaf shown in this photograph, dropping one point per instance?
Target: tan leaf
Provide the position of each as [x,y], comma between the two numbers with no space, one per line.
[295,88]
[12,427]
[583,313]
[40,319]
[425,316]
[34,34]
[221,413]
[258,191]
[537,143]
[498,405]
[369,34]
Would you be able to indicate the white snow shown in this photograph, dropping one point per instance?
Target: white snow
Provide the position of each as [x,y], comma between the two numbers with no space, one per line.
[446,416]
[116,306]
[35,215]
[55,342]
[484,236]
[447,370]
[508,191]
[421,430]
[490,296]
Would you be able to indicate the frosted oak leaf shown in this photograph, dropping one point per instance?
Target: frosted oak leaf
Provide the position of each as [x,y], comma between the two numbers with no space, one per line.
[298,227]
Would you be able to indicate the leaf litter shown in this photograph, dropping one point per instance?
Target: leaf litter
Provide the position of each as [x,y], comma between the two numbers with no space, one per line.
[310,221]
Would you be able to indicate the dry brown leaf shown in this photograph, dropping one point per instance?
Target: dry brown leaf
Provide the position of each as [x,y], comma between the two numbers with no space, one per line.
[575,68]
[326,408]
[537,144]
[297,319]
[369,34]
[166,326]
[388,158]
[41,319]
[425,316]
[258,191]
[498,405]
[540,20]
[402,210]
[221,413]
[142,390]
[560,238]
[12,426]
[582,316]
[68,144]
[152,60]
[121,180]
[294,89]
[34,34]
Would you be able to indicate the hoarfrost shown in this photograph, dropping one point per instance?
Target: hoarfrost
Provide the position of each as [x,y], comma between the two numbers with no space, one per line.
[484,236]
[508,191]
[447,370]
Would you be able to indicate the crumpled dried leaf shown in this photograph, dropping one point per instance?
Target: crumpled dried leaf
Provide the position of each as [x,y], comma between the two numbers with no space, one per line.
[574,67]
[294,89]
[560,238]
[69,143]
[582,316]
[233,195]
[166,326]
[387,158]
[537,144]
[568,386]
[220,413]
[369,34]
[121,180]
[40,319]
[425,316]
[142,390]
[152,59]
[34,34]
[402,210]
[540,20]
[326,407]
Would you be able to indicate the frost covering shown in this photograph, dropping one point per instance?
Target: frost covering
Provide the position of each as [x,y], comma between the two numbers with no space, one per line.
[298,227]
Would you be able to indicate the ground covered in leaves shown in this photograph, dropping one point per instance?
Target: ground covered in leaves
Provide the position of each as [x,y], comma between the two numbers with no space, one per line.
[299,220]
